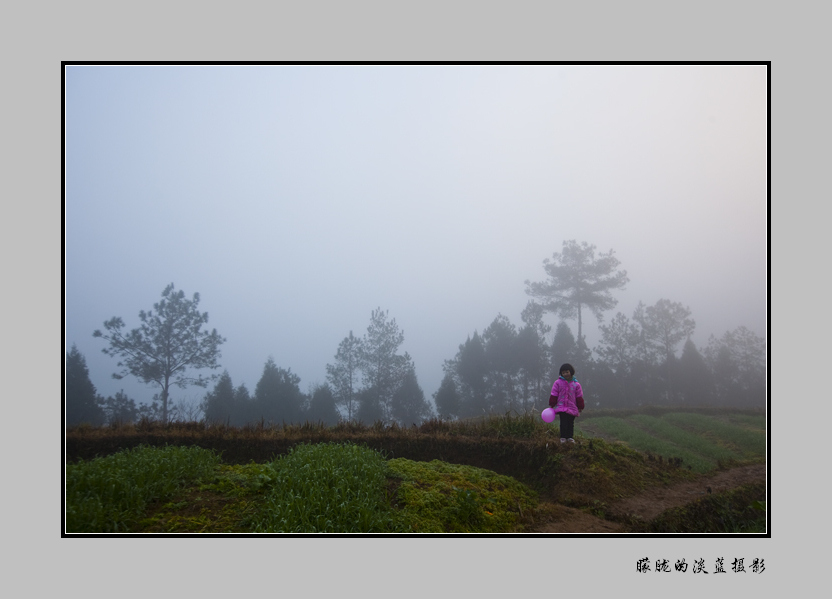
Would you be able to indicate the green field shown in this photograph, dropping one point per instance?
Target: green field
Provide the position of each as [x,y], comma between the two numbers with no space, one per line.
[702,441]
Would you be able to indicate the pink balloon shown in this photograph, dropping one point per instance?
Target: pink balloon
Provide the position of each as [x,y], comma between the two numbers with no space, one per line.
[548,415]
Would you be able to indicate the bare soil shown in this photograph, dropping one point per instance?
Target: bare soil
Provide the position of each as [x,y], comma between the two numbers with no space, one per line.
[646,505]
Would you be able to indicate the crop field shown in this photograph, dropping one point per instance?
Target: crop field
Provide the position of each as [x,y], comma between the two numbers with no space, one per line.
[501,474]
[701,441]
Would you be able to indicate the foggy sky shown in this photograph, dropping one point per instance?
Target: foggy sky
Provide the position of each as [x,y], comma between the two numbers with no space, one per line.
[297,199]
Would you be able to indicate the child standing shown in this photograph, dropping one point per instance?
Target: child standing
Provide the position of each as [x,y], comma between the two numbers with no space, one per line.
[568,401]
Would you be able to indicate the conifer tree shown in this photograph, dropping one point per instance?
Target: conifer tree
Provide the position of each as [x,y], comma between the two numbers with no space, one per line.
[694,377]
[369,408]
[471,368]
[322,406]
[344,375]
[120,409]
[382,367]
[167,345]
[447,398]
[579,279]
[277,397]
[218,405]
[500,338]
[409,405]
[564,349]
[83,404]
[664,326]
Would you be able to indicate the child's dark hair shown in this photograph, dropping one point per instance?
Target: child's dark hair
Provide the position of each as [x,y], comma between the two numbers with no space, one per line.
[568,367]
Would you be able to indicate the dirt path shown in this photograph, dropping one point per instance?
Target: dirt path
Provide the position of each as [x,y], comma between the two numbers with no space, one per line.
[649,504]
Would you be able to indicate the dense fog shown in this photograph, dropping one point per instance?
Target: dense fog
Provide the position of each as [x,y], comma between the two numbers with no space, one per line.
[298,200]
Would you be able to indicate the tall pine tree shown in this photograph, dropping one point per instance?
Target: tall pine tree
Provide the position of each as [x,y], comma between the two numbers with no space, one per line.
[345,374]
[579,279]
[83,405]
[383,368]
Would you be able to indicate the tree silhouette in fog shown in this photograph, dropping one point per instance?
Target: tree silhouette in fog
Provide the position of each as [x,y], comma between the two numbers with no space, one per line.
[579,279]
[167,345]
[83,405]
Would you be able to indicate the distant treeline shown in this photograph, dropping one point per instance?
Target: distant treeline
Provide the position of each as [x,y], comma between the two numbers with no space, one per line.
[369,381]
[503,370]
[506,369]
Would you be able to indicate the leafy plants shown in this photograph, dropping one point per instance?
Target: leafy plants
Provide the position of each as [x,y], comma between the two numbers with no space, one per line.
[437,497]
[328,488]
[110,494]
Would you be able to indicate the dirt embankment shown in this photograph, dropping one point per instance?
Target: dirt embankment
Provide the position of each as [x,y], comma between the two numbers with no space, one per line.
[650,503]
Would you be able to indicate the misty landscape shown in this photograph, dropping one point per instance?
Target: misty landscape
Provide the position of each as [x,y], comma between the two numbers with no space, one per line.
[305,203]
[339,247]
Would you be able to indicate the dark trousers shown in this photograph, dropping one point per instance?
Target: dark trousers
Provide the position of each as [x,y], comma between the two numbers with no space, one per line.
[567,425]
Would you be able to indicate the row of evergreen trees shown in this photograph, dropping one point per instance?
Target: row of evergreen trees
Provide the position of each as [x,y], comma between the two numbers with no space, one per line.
[83,404]
[369,381]
[506,369]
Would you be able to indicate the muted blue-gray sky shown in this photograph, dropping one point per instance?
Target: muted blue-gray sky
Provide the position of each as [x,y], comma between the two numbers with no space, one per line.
[297,199]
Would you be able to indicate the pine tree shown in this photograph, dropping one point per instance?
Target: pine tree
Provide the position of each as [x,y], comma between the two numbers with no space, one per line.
[322,406]
[503,365]
[244,408]
[166,346]
[447,398]
[370,410]
[277,397]
[533,355]
[409,405]
[82,403]
[218,405]
[695,381]
[471,369]
[578,279]
[120,409]
[381,366]
[564,349]
[620,368]
[738,363]
[665,325]
[344,376]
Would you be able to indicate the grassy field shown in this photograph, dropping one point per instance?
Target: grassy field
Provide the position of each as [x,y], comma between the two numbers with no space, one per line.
[702,441]
[489,476]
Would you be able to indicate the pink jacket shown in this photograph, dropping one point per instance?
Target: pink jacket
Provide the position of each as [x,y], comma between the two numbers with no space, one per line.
[567,393]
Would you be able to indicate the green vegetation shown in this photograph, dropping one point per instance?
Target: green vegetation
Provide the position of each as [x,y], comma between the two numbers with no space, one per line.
[695,443]
[702,441]
[489,475]
[643,440]
[328,488]
[735,511]
[439,497]
[109,494]
[746,437]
